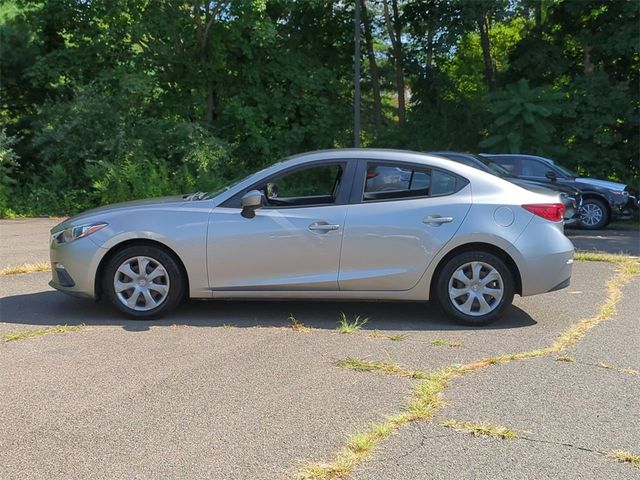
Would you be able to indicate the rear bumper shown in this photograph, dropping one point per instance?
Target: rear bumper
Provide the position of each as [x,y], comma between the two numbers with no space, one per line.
[544,257]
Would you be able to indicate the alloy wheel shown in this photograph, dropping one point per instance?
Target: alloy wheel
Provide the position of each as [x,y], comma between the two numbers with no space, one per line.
[591,214]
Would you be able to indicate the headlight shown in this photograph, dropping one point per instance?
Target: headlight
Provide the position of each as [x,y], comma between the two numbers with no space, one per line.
[70,234]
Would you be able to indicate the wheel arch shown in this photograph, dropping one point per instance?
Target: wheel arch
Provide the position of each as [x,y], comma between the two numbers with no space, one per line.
[483,247]
[133,242]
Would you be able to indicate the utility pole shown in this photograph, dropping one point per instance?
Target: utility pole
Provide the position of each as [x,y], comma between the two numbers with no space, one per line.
[356,81]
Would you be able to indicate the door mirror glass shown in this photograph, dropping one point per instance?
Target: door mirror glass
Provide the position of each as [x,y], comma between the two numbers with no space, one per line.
[251,201]
[551,175]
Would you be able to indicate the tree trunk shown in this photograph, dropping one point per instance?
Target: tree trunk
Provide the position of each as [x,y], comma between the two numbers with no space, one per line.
[538,15]
[395,34]
[588,64]
[203,27]
[210,102]
[429,63]
[373,67]
[483,27]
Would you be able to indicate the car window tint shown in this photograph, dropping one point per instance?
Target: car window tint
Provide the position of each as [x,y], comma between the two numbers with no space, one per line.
[442,183]
[386,181]
[533,168]
[509,163]
[314,185]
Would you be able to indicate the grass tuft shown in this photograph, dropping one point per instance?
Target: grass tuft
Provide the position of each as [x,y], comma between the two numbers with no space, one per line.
[625,457]
[564,358]
[481,429]
[444,343]
[393,338]
[38,332]
[388,368]
[396,338]
[584,256]
[346,326]
[26,268]
[296,325]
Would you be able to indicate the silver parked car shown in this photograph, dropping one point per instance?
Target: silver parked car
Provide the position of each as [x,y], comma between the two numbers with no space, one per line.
[338,224]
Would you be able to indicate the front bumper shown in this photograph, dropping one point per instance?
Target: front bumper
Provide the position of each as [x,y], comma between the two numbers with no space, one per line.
[624,207]
[74,266]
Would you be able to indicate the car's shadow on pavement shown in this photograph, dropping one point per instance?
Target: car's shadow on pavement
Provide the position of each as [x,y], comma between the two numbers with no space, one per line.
[52,308]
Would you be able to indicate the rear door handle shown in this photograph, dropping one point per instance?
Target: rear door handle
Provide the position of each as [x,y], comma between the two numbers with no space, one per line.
[437,220]
[323,227]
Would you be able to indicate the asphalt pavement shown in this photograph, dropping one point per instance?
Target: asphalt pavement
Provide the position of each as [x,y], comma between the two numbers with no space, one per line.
[626,242]
[228,390]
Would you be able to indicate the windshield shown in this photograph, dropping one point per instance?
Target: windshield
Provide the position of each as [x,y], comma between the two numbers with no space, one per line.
[215,193]
[495,167]
[566,171]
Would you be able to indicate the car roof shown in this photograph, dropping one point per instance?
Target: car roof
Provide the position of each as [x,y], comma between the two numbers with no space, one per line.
[520,155]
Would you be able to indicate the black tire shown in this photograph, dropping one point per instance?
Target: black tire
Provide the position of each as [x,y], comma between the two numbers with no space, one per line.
[175,282]
[594,205]
[498,307]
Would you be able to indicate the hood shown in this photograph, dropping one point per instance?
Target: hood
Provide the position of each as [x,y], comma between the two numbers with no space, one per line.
[174,201]
[618,187]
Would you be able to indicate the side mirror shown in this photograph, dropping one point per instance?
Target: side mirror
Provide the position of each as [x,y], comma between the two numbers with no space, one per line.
[551,175]
[251,201]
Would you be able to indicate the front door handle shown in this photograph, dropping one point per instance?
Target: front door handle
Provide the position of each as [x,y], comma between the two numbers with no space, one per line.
[437,220]
[323,227]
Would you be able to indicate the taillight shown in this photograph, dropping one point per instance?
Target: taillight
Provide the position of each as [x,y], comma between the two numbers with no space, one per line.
[549,211]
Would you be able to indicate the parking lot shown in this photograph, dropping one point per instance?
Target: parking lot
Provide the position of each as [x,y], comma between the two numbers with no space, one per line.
[272,390]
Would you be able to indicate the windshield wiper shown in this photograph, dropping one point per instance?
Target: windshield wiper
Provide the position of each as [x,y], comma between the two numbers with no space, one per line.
[195,196]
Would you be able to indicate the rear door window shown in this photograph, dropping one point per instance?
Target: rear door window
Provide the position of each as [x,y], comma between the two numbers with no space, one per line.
[387,181]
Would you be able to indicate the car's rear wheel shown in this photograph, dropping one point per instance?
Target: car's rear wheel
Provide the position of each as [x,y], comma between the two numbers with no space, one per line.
[593,214]
[474,288]
[143,282]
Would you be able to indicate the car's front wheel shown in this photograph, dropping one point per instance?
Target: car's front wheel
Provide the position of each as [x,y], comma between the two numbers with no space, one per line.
[143,282]
[474,288]
[593,214]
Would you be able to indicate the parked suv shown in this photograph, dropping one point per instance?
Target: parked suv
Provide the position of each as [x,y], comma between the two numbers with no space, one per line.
[571,197]
[603,200]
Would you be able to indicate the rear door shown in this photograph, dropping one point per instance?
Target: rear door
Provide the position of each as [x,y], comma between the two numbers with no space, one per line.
[401,215]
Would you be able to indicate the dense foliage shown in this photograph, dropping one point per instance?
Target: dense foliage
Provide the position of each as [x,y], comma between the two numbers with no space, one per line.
[108,100]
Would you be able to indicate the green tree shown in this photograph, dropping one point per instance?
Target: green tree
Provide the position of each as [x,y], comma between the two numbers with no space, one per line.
[522,119]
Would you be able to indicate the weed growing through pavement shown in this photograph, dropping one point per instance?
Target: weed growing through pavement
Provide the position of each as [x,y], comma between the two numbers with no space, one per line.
[38,332]
[625,457]
[296,325]
[481,429]
[26,268]
[564,358]
[346,326]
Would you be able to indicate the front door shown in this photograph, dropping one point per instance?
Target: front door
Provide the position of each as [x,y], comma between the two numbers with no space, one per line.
[292,243]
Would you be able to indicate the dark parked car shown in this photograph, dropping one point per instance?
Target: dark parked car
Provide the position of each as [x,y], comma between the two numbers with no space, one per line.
[571,197]
[603,200]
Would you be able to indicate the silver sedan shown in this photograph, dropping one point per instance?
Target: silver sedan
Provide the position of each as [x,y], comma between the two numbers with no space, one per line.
[338,224]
